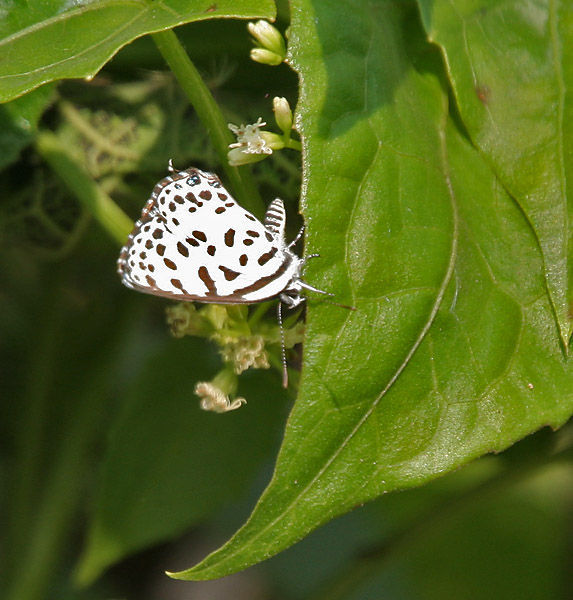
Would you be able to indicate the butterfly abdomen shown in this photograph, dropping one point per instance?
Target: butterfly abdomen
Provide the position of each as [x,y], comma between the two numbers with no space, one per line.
[275,218]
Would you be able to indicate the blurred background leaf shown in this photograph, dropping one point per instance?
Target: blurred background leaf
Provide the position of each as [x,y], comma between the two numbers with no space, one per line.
[169,467]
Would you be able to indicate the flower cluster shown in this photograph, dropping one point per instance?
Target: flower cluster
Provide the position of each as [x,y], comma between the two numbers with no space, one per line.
[244,352]
[242,341]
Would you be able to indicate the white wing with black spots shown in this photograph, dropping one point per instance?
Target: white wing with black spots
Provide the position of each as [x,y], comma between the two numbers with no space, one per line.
[194,242]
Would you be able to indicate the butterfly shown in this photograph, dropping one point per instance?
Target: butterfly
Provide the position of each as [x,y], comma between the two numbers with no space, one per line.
[193,242]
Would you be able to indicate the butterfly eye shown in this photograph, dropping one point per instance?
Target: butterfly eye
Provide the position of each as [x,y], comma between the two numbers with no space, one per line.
[193,180]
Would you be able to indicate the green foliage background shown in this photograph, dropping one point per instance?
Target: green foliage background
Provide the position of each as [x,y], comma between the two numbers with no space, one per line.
[435,176]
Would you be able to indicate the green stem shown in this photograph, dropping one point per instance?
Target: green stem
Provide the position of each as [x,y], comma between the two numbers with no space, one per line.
[373,560]
[258,313]
[210,114]
[294,144]
[86,190]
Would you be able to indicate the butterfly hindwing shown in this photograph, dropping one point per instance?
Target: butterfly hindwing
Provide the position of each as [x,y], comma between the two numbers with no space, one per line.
[194,242]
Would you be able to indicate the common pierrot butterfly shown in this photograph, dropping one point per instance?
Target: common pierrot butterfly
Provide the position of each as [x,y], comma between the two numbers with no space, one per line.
[193,242]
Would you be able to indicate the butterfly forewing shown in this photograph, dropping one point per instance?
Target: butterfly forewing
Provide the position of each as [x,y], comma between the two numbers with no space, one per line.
[194,242]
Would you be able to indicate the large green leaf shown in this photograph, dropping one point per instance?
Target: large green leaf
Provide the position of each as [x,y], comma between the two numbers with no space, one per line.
[169,465]
[453,350]
[49,40]
[510,68]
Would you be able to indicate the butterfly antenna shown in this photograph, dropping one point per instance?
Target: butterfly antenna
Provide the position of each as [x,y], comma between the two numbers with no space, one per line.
[283,350]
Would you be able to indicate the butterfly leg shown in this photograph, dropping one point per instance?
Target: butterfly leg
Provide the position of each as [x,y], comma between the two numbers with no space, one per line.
[297,238]
[313,289]
[307,258]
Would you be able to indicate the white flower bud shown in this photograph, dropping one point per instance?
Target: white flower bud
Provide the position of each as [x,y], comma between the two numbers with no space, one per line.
[268,37]
[283,114]
[266,57]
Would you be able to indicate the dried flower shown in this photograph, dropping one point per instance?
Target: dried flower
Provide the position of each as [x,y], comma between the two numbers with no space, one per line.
[215,395]
[213,399]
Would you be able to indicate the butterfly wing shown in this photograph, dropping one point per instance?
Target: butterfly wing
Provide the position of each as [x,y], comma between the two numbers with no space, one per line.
[194,242]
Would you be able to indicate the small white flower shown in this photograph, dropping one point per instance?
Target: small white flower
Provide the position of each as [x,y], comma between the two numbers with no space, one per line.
[215,400]
[252,141]
[249,138]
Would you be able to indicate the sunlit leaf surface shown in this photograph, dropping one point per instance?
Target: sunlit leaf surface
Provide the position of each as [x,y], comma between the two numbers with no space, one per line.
[509,64]
[453,350]
[50,40]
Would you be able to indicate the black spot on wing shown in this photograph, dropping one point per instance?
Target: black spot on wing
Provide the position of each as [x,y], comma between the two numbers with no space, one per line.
[264,258]
[207,280]
[230,237]
[228,273]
